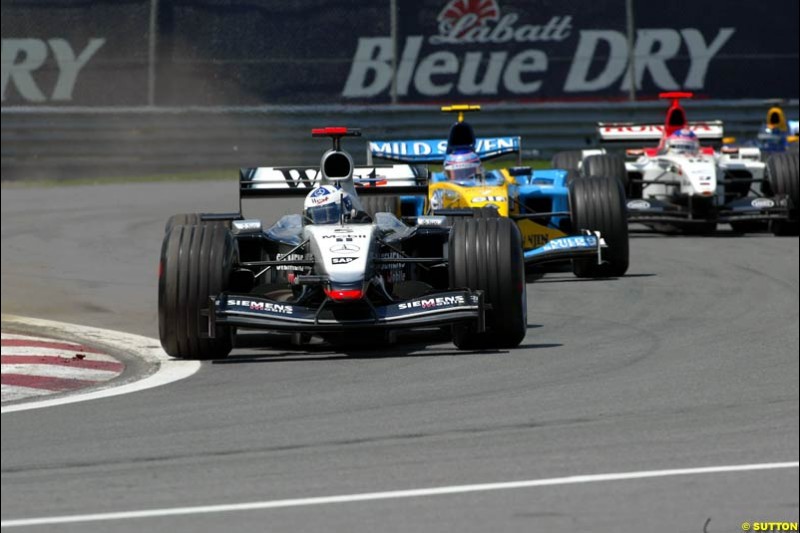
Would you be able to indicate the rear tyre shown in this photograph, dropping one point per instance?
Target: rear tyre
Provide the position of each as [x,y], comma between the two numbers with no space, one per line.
[381,204]
[598,204]
[568,160]
[782,173]
[486,254]
[607,165]
[196,263]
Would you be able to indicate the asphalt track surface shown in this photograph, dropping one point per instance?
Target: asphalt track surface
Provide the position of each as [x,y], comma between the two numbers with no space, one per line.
[690,361]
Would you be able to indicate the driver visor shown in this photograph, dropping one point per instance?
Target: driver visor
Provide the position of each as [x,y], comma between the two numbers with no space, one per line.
[461,174]
[324,214]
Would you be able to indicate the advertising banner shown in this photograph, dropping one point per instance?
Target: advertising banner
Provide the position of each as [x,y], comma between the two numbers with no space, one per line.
[459,50]
[248,52]
[67,52]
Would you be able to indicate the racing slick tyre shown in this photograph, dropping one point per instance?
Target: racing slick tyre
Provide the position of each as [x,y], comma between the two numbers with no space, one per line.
[598,204]
[381,204]
[568,160]
[191,219]
[196,263]
[607,165]
[571,176]
[782,173]
[186,219]
[477,212]
[485,212]
[486,254]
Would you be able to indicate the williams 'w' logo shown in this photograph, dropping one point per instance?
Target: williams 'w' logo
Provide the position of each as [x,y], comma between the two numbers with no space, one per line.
[300,177]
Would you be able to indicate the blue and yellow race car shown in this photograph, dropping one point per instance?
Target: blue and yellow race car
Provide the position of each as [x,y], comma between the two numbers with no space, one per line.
[582,220]
[777,133]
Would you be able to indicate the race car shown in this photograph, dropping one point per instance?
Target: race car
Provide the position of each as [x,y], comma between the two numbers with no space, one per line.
[556,217]
[777,134]
[680,185]
[333,270]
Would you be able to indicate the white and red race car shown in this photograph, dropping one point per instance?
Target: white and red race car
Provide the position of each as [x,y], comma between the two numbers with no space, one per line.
[681,185]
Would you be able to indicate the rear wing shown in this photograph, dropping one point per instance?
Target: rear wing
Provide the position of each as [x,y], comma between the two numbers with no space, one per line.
[629,132]
[434,150]
[266,182]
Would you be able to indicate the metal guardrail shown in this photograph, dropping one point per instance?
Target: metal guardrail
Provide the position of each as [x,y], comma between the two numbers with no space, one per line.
[64,143]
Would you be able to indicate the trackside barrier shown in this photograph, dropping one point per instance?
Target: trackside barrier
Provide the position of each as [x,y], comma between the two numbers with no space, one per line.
[71,142]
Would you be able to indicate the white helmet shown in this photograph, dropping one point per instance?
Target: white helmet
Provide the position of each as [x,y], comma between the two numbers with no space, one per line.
[325,205]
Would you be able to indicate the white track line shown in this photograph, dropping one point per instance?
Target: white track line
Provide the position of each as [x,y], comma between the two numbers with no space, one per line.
[371,496]
[167,369]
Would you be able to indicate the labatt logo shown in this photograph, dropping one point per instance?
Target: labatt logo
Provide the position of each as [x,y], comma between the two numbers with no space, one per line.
[480,51]
[479,21]
[460,18]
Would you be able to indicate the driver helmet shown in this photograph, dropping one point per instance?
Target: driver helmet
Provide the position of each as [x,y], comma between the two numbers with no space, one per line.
[325,205]
[683,142]
[463,165]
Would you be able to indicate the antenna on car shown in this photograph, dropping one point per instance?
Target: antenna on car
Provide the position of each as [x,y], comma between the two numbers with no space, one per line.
[336,133]
[460,109]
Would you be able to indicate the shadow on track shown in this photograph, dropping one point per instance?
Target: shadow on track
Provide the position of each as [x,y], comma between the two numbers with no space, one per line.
[646,233]
[407,345]
[568,278]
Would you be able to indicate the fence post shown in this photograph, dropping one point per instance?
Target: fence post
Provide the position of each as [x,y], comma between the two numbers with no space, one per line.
[152,43]
[631,28]
[393,36]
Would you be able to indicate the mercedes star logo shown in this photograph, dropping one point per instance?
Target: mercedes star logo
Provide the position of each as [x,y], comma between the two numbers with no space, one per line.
[344,248]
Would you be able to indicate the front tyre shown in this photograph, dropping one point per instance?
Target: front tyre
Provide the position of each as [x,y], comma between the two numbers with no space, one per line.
[486,254]
[196,263]
[485,212]
[598,204]
[782,173]
[191,219]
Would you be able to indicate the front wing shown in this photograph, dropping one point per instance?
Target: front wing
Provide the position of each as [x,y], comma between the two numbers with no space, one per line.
[744,209]
[439,309]
[587,246]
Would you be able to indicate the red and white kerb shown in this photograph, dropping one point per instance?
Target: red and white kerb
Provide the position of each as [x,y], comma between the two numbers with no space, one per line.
[35,366]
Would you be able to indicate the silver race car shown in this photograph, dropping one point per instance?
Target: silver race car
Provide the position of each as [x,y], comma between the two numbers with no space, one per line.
[334,269]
